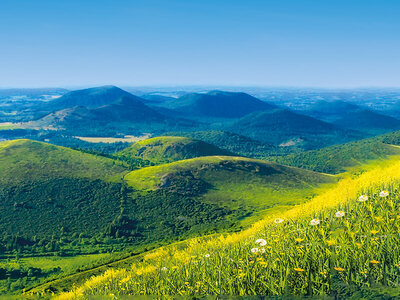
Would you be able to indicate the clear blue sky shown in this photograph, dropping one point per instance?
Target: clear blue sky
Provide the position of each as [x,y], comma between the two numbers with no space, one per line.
[322,43]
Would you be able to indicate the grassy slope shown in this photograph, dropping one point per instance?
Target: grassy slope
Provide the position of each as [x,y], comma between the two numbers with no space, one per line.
[315,252]
[235,143]
[340,158]
[166,149]
[235,182]
[27,161]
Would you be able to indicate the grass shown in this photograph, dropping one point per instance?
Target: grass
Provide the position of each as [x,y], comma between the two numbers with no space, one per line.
[166,149]
[237,183]
[356,254]
[8,126]
[340,158]
[26,160]
[125,139]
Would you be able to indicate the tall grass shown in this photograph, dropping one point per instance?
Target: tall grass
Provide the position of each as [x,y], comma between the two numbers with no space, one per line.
[355,243]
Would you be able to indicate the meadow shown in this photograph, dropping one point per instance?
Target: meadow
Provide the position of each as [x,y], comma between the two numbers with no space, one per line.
[344,243]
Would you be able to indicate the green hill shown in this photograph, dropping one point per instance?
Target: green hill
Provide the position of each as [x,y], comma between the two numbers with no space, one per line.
[286,128]
[339,158]
[218,104]
[244,185]
[23,161]
[233,142]
[168,149]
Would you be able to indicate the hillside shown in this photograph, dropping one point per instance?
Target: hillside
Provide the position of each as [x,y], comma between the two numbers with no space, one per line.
[126,114]
[340,158]
[335,244]
[286,128]
[24,161]
[91,98]
[234,142]
[217,104]
[368,121]
[246,185]
[351,116]
[168,149]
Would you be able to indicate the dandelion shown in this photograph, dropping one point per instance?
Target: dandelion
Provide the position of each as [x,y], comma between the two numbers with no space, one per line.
[374,262]
[383,194]
[314,222]
[339,214]
[255,250]
[330,242]
[374,231]
[207,255]
[298,269]
[278,220]
[261,242]
[363,198]
[299,240]
[339,269]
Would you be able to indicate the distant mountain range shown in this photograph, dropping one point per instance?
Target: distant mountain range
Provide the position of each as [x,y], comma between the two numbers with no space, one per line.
[109,110]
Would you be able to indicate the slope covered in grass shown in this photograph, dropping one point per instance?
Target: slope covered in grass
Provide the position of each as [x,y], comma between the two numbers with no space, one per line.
[237,183]
[339,158]
[339,244]
[166,149]
[235,143]
[23,161]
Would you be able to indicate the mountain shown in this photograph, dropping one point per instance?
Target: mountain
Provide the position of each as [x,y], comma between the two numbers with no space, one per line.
[166,149]
[124,112]
[286,128]
[91,98]
[218,104]
[351,116]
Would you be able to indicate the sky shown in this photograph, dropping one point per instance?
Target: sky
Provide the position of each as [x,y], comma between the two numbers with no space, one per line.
[282,43]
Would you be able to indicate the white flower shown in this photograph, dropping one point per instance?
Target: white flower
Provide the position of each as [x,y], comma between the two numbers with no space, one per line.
[207,255]
[164,269]
[255,250]
[262,250]
[314,222]
[278,220]
[363,198]
[261,242]
[384,194]
[339,214]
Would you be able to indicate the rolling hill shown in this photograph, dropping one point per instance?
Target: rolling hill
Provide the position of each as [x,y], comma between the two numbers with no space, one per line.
[340,158]
[91,98]
[235,143]
[168,149]
[351,116]
[286,128]
[24,161]
[217,104]
[244,185]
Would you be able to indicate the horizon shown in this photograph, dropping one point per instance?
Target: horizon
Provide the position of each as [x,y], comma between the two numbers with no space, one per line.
[285,44]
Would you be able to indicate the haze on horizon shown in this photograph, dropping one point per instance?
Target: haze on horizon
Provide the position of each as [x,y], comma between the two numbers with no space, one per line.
[308,43]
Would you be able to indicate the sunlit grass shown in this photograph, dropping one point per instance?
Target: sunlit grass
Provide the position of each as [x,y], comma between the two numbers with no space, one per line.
[349,235]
